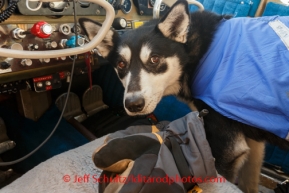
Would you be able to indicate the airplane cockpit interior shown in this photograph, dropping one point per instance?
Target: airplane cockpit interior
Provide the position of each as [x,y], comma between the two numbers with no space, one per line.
[60,97]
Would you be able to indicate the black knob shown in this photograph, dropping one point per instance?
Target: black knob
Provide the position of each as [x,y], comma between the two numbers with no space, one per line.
[4,65]
[119,23]
[78,28]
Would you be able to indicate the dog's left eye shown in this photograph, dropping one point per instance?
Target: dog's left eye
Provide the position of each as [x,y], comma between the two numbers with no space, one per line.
[120,64]
[155,59]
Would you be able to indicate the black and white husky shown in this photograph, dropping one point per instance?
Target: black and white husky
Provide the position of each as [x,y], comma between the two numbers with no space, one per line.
[160,58]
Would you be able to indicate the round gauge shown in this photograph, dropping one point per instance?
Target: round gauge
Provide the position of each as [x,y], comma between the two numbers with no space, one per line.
[152,3]
[126,6]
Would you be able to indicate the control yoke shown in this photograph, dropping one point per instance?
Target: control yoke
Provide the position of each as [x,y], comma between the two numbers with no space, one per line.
[110,14]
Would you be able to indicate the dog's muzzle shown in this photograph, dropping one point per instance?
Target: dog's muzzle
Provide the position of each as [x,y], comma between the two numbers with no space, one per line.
[134,104]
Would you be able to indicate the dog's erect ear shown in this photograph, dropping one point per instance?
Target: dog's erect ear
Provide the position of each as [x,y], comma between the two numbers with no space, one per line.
[174,24]
[91,28]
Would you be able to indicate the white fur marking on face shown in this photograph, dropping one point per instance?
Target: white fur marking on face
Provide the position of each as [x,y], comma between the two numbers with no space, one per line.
[155,86]
[131,94]
[166,25]
[121,79]
[125,81]
[145,53]
[125,52]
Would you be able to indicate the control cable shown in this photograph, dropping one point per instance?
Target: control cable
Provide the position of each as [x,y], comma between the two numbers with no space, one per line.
[8,12]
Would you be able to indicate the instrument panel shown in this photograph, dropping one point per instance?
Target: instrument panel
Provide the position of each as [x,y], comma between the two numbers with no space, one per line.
[59,8]
[144,7]
[34,26]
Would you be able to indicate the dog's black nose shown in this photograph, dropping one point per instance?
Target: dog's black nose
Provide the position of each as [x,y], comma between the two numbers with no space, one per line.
[134,104]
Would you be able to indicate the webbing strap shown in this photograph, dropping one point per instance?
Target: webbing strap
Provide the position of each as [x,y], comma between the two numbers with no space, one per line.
[181,162]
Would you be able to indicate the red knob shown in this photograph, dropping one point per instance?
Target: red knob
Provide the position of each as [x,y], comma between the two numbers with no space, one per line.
[41,29]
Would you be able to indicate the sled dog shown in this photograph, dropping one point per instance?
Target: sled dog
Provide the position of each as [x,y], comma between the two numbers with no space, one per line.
[166,57]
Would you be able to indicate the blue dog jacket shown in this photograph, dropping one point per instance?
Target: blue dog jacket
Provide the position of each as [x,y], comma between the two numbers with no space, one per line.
[245,73]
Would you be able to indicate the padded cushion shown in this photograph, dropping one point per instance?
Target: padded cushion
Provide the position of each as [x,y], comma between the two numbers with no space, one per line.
[237,8]
[276,9]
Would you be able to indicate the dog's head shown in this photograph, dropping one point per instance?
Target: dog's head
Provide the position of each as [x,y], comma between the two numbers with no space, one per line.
[148,60]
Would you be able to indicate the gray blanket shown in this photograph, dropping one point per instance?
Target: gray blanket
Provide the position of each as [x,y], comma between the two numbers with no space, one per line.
[59,173]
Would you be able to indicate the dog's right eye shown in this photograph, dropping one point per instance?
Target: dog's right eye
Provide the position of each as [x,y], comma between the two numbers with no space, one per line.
[155,59]
[120,65]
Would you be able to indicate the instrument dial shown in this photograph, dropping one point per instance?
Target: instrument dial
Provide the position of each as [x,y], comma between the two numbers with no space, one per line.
[126,6]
